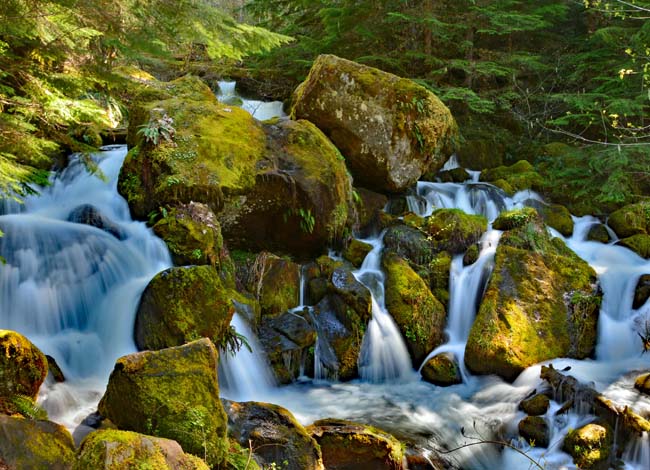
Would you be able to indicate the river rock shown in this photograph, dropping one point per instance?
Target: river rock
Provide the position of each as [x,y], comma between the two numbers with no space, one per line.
[32,444]
[23,367]
[536,405]
[642,291]
[125,450]
[453,230]
[182,304]
[356,252]
[598,233]
[351,446]
[535,430]
[54,370]
[90,215]
[352,292]
[633,219]
[193,235]
[409,243]
[279,186]
[275,282]
[457,175]
[370,207]
[171,393]
[513,178]
[508,220]
[418,314]
[554,215]
[640,244]
[542,301]
[274,435]
[590,446]
[438,274]
[442,370]
[642,383]
[389,129]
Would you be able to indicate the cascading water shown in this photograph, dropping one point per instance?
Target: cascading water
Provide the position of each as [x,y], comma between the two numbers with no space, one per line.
[72,288]
[261,110]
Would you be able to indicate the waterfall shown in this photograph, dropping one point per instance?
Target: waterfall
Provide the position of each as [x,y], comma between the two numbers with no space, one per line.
[71,288]
[261,110]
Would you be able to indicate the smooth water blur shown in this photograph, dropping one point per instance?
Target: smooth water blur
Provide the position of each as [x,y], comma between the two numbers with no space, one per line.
[71,288]
[260,110]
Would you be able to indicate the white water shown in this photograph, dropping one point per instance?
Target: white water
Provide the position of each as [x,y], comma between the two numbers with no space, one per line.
[73,289]
[261,110]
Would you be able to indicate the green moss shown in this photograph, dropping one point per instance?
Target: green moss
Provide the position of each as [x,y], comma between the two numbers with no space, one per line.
[418,314]
[519,176]
[438,272]
[442,370]
[590,446]
[23,367]
[356,252]
[639,243]
[633,219]
[535,430]
[508,220]
[453,230]
[558,217]
[278,284]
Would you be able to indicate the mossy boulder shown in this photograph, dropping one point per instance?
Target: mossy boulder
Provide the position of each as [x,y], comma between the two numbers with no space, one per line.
[457,175]
[350,446]
[369,206]
[640,244]
[287,339]
[442,370]
[354,294]
[125,450]
[23,367]
[32,444]
[193,235]
[535,430]
[642,383]
[171,393]
[453,230]
[273,186]
[590,446]
[481,153]
[558,217]
[633,219]
[471,255]
[507,220]
[641,291]
[390,129]
[418,314]
[409,243]
[275,282]
[438,275]
[537,405]
[598,233]
[356,252]
[274,434]
[542,302]
[519,176]
[180,305]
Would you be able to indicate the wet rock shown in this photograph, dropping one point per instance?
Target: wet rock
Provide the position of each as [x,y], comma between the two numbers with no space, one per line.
[124,450]
[90,215]
[23,367]
[536,405]
[517,177]
[515,218]
[276,283]
[542,302]
[350,446]
[409,243]
[171,393]
[642,383]
[182,304]
[535,430]
[418,314]
[554,215]
[598,233]
[590,446]
[32,444]
[453,230]
[356,252]
[471,255]
[457,175]
[633,219]
[370,206]
[442,370]
[389,129]
[438,275]
[642,291]
[640,244]
[54,369]
[352,292]
[274,435]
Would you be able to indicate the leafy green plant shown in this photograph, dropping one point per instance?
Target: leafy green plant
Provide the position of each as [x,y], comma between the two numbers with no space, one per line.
[232,341]
[27,407]
[158,129]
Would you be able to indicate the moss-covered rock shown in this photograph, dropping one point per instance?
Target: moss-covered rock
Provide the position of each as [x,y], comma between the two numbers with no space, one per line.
[519,176]
[598,233]
[542,301]
[171,393]
[590,446]
[536,405]
[193,235]
[350,446]
[356,252]
[641,291]
[453,230]
[125,450]
[457,175]
[438,274]
[535,430]
[352,292]
[633,219]
[180,305]
[275,282]
[23,367]
[640,244]
[478,154]
[508,220]
[442,370]
[418,314]
[274,434]
[642,383]
[32,444]
[389,129]
[370,206]
[471,255]
[558,217]
[273,186]
[409,243]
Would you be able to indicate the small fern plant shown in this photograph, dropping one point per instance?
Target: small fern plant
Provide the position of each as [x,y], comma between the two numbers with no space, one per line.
[157,130]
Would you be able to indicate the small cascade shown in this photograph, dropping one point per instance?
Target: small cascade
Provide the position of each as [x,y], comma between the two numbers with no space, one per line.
[87,280]
[384,356]
[261,110]
[637,453]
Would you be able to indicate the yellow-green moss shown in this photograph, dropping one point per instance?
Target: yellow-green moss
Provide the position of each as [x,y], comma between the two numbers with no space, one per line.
[442,370]
[590,446]
[453,230]
[356,252]
[519,176]
[639,243]
[508,220]
[633,219]
[23,367]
